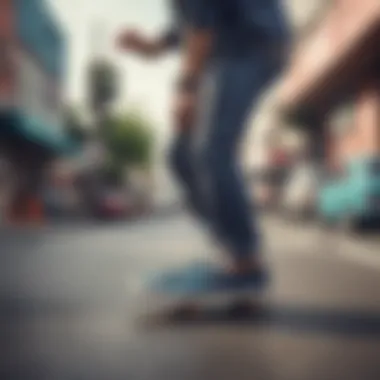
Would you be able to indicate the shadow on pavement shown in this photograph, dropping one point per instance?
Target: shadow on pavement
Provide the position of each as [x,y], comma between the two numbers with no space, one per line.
[291,318]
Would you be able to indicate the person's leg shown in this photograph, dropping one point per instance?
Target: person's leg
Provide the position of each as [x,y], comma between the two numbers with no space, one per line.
[188,173]
[239,84]
[185,172]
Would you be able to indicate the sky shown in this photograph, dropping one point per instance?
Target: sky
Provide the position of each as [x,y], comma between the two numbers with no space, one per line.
[143,84]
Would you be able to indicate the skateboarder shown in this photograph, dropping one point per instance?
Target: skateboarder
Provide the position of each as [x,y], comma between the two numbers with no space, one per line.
[231,50]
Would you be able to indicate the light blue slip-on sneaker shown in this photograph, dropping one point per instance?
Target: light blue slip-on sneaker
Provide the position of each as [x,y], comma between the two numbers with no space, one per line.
[203,279]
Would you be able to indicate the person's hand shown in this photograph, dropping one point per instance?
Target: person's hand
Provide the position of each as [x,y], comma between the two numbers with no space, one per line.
[134,41]
[184,110]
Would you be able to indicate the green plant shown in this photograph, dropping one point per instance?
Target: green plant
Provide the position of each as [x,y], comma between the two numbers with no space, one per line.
[129,140]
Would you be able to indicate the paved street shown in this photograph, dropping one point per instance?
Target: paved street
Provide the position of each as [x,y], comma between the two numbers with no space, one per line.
[67,313]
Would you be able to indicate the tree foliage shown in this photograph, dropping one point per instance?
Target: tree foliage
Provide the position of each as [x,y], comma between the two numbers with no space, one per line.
[129,140]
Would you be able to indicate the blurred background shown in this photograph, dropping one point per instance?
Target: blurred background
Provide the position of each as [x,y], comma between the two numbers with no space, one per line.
[83,136]
[84,129]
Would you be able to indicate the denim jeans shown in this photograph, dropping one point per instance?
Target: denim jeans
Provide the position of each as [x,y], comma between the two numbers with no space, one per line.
[205,159]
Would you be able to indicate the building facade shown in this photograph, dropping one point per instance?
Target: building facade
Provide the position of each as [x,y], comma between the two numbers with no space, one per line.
[332,85]
[32,72]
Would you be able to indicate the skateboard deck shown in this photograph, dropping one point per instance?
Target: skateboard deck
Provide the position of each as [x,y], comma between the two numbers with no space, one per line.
[176,303]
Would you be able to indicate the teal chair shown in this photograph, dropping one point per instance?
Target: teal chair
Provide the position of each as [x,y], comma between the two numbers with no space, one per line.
[353,195]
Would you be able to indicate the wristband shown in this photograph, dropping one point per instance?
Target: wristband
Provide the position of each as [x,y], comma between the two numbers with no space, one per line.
[188,84]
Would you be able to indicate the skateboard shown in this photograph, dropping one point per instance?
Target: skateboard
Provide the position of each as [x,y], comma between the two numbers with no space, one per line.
[199,293]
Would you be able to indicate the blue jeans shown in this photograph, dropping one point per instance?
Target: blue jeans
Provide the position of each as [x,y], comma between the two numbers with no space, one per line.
[205,159]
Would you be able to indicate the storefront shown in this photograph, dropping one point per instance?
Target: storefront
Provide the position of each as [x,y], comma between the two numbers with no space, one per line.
[32,71]
[334,67]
